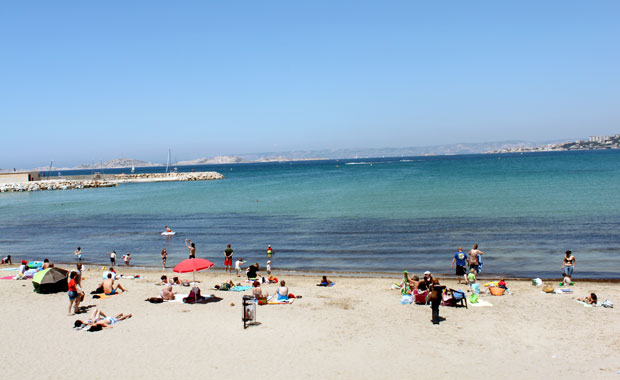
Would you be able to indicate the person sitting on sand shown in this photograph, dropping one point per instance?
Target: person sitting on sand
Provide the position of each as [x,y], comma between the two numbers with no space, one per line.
[164,280]
[426,282]
[112,272]
[325,281]
[99,321]
[258,292]
[46,264]
[502,284]
[252,271]
[592,299]
[167,294]
[7,260]
[282,291]
[110,288]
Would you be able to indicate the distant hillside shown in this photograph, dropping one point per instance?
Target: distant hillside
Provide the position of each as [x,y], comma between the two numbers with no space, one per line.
[117,163]
[214,160]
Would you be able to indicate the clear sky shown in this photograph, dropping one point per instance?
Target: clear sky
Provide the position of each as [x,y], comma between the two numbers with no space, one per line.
[94,80]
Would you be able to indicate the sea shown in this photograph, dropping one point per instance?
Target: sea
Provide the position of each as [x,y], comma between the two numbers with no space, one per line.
[356,216]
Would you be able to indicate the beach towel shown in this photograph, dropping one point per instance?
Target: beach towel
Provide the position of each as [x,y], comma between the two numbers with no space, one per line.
[9,268]
[104,296]
[178,298]
[481,303]
[7,278]
[585,304]
[240,288]
[287,302]
[326,285]
[563,291]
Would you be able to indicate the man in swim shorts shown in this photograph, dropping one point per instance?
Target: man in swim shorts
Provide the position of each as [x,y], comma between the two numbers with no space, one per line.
[474,258]
[228,259]
[109,287]
[460,259]
[112,258]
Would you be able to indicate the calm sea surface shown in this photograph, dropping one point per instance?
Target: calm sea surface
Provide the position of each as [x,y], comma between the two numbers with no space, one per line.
[366,215]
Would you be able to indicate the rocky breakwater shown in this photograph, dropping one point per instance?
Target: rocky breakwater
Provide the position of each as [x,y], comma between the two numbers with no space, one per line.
[54,185]
[162,177]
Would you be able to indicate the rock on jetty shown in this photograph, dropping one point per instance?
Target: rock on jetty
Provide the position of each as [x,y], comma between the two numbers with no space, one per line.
[174,176]
[54,185]
[67,184]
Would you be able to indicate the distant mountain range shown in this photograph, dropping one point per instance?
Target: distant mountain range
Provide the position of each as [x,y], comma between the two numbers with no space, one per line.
[325,154]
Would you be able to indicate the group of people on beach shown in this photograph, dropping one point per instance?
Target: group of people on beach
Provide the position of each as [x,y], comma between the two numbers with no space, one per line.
[462,259]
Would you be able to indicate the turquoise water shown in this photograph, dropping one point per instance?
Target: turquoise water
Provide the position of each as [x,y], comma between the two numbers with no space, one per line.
[367,215]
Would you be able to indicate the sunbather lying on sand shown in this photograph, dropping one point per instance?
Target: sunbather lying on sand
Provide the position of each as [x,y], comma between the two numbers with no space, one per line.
[225,285]
[99,321]
[592,299]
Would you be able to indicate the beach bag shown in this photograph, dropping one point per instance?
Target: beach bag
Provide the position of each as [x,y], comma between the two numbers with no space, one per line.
[473,298]
[537,282]
[406,299]
[607,303]
[497,291]
[547,288]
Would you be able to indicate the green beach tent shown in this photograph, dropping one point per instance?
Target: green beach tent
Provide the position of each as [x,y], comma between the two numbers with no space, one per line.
[50,280]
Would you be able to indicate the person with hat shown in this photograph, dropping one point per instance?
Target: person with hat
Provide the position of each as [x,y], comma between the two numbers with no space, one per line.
[426,282]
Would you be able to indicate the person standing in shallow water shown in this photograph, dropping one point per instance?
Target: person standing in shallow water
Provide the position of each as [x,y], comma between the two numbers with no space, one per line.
[269,251]
[228,252]
[460,259]
[568,265]
[78,253]
[164,257]
[192,248]
[474,258]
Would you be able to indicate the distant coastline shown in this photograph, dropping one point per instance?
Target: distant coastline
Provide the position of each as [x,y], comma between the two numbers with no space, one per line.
[593,143]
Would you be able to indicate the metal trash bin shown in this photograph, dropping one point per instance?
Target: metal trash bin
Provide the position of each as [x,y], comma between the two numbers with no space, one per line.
[249,311]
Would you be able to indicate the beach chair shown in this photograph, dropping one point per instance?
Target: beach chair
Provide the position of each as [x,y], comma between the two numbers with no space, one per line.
[459,297]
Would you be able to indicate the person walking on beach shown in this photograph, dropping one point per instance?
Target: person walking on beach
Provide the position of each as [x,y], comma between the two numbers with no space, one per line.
[78,253]
[435,298]
[460,259]
[238,264]
[192,248]
[127,258]
[113,258]
[474,258]
[568,265]
[164,257]
[269,251]
[228,255]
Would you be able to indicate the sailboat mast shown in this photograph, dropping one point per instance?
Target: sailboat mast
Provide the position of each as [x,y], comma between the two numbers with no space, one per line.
[168,162]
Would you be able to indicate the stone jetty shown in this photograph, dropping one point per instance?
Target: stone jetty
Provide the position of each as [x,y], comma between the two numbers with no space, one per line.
[95,182]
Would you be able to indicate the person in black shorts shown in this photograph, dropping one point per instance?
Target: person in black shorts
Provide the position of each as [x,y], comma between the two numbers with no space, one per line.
[460,259]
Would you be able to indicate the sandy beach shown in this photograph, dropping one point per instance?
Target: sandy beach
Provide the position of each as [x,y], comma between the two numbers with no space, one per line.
[355,329]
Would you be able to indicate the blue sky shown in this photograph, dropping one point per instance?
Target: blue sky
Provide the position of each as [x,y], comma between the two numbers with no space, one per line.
[84,81]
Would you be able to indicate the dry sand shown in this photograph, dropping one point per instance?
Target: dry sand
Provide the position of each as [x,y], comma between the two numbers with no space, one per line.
[356,329]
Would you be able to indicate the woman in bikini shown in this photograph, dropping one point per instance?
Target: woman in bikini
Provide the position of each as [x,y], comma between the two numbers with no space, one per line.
[568,265]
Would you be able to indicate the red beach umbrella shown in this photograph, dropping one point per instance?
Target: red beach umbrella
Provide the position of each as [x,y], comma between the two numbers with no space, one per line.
[192,265]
